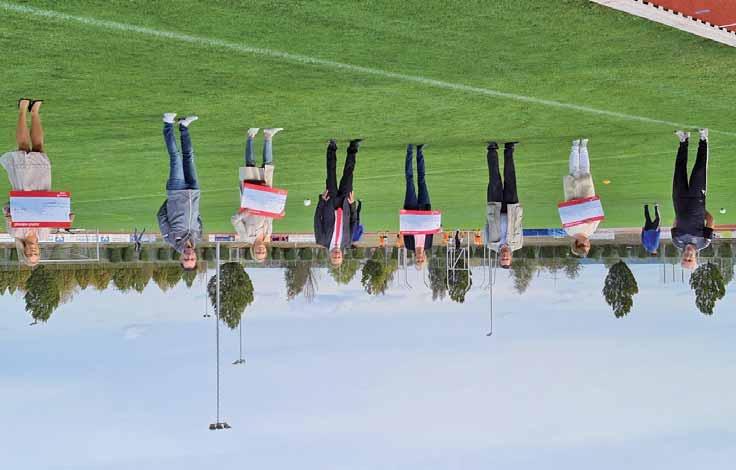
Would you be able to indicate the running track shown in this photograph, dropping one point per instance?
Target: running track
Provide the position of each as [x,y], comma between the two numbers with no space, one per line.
[717,12]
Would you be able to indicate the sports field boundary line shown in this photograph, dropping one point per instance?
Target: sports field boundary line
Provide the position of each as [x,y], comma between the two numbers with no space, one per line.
[675,19]
[315,61]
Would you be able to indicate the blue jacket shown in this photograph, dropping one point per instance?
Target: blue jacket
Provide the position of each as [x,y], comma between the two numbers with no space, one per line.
[650,240]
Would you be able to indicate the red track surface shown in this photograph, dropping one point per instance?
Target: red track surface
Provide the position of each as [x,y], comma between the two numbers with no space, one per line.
[718,12]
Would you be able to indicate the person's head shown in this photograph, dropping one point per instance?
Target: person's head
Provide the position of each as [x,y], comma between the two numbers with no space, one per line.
[689,258]
[336,256]
[580,246]
[259,250]
[29,251]
[188,258]
[420,258]
[505,257]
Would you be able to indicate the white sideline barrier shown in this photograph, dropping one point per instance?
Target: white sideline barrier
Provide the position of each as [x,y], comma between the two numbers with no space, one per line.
[672,18]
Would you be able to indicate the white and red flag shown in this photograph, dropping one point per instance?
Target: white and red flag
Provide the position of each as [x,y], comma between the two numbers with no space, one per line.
[580,211]
[263,200]
[420,222]
[40,209]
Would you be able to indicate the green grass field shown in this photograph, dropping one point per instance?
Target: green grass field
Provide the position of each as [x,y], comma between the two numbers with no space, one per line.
[105,90]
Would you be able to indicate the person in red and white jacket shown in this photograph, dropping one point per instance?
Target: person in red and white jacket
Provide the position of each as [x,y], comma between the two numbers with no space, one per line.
[579,185]
[336,214]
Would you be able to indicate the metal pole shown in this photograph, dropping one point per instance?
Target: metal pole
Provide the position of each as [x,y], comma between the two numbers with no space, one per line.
[217,329]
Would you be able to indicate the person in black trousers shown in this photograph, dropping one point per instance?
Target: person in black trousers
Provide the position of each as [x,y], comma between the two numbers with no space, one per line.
[336,215]
[650,233]
[692,229]
[503,231]
[419,244]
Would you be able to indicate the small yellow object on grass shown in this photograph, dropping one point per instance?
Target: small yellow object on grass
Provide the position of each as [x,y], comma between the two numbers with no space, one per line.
[606,181]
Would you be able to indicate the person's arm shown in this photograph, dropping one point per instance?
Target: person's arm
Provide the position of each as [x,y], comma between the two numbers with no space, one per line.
[353,211]
[709,220]
[163,221]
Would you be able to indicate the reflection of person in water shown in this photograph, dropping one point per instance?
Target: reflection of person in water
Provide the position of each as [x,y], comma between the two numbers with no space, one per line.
[178,217]
[251,228]
[337,215]
[29,169]
[692,230]
[419,244]
[579,185]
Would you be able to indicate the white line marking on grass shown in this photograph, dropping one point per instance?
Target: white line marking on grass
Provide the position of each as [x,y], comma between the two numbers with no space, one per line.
[307,60]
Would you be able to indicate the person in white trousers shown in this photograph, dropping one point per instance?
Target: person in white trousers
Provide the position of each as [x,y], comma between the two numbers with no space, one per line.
[579,185]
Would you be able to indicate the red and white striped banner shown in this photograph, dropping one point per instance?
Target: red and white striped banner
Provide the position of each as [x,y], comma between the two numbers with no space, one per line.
[40,209]
[420,222]
[580,211]
[263,200]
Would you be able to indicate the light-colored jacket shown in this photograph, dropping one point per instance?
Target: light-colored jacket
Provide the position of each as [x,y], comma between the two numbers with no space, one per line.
[580,186]
[514,232]
[249,226]
[27,171]
[178,218]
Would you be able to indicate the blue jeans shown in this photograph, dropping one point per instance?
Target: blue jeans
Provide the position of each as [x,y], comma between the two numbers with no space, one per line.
[182,172]
[411,201]
[250,159]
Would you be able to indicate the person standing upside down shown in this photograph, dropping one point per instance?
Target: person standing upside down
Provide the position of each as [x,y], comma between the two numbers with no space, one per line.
[650,232]
[336,215]
[178,217]
[692,229]
[419,244]
[503,232]
[578,184]
[29,169]
[251,228]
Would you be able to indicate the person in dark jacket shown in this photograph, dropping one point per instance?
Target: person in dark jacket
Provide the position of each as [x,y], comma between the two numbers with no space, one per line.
[336,215]
[419,244]
[692,230]
[650,232]
[178,217]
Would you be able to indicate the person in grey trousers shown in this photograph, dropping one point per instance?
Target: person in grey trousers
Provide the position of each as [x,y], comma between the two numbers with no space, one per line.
[178,217]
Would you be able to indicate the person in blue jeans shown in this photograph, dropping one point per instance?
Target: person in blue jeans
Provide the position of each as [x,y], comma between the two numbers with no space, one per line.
[419,244]
[178,217]
[650,232]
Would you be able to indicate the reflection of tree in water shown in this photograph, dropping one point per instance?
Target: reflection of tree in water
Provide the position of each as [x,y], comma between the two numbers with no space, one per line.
[167,276]
[438,278]
[236,293]
[459,282]
[619,289]
[344,273]
[377,273]
[522,272]
[42,293]
[300,279]
[709,286]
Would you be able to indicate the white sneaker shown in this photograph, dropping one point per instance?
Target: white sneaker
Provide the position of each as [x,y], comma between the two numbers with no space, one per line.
[583,142]
[576,143]
[272,131]
[169,118]
[683,136]
[704,134]
[188,120]
[253,131]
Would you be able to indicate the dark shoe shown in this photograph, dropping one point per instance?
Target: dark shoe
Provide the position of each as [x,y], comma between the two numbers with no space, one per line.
[492,144]
[420,146]
[332,143]
[355,143]
[32,103]
[511,144]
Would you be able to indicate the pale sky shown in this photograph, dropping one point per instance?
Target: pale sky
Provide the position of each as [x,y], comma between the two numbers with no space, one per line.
[119,381]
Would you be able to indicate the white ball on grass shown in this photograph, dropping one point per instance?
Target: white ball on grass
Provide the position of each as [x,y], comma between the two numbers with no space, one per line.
[723,210]
[307,202]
